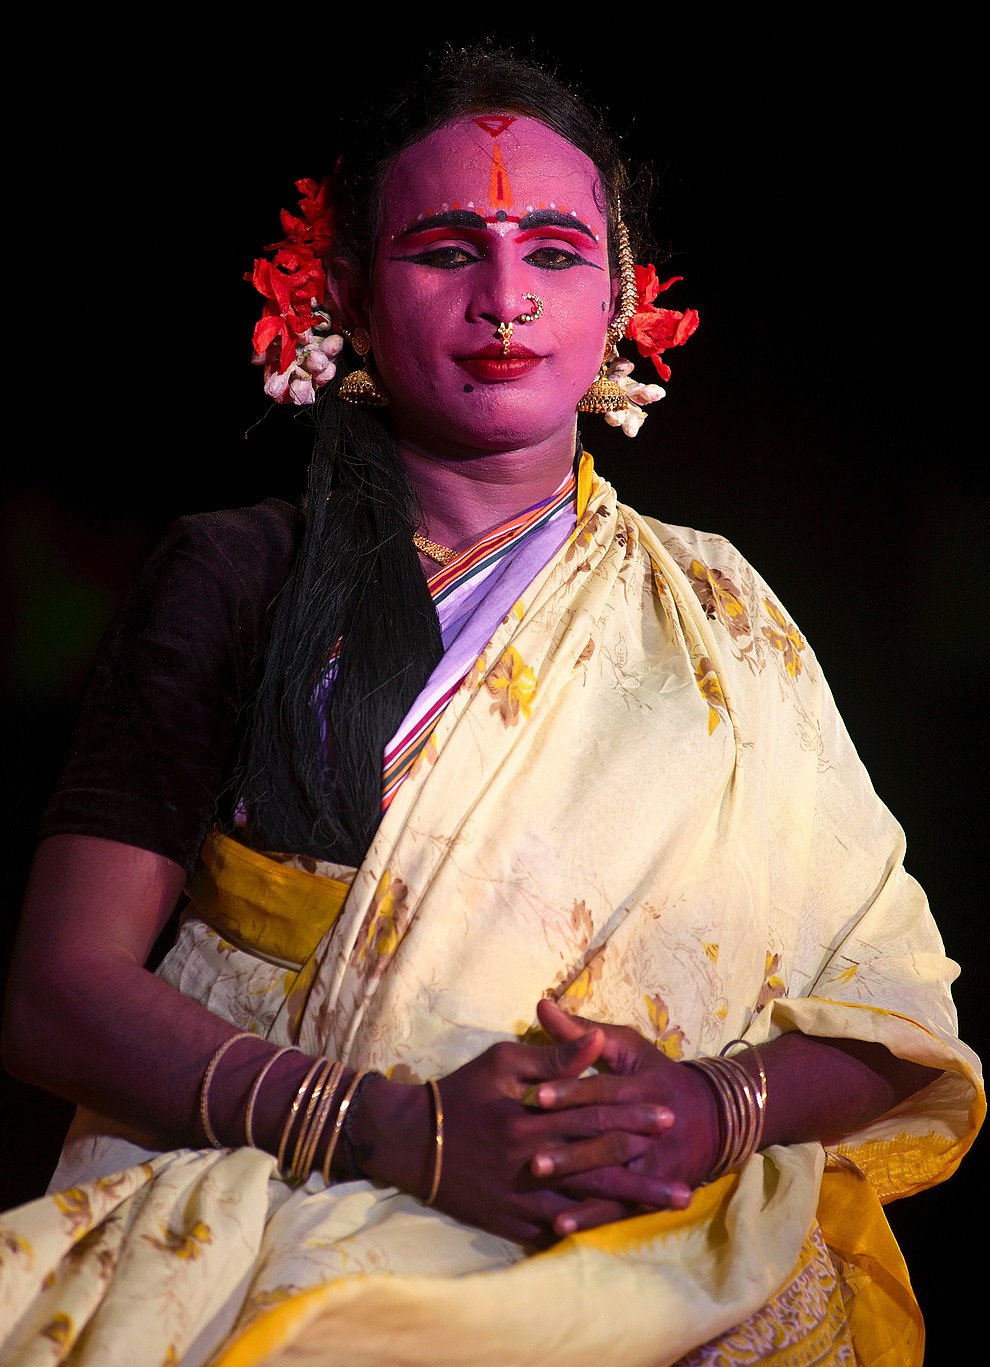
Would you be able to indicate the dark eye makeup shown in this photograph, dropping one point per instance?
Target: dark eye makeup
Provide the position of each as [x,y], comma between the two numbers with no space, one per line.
[452,258]
[441,258]
[556,259]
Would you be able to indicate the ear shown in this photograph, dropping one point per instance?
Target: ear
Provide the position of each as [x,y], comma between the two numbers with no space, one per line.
[348,294]
[615,290]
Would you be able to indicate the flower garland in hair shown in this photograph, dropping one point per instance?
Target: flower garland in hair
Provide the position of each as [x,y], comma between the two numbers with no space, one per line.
[294,338]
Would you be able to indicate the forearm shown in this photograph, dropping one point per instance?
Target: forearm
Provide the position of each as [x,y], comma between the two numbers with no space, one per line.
[109,1035]
[85,1019]
[821,1089]
[816,1090]
[106,1033]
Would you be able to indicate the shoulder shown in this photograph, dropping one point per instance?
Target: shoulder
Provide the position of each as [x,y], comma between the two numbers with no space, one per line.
[271,520]
[239,554]
[238,536]
[756,629]
[712,565]
[686,544]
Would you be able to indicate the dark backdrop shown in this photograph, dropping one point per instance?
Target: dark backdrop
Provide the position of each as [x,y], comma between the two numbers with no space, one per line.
[815,191]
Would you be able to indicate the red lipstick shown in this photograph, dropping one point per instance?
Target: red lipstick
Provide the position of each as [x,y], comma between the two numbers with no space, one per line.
[491,365]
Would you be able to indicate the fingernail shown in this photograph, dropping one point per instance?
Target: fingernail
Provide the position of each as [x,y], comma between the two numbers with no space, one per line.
[538,1095]
[542,1165]
[565,1224]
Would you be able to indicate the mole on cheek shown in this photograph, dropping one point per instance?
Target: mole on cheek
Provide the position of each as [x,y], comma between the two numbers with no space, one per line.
[469,389]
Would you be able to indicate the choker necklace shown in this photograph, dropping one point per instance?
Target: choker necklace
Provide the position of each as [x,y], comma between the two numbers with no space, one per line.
[443,555]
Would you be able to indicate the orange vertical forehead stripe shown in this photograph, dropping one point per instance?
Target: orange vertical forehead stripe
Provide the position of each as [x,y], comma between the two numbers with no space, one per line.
[499,189]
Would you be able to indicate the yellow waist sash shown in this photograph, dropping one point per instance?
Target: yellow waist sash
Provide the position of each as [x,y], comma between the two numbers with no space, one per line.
[275,910]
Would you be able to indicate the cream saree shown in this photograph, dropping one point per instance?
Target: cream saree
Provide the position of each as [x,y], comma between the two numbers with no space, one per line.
[641,801]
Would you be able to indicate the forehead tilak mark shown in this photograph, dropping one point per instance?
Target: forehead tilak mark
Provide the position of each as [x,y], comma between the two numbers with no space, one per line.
[494,124]
[499,187]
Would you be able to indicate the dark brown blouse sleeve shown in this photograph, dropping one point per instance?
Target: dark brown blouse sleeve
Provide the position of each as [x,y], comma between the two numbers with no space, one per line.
[160,717]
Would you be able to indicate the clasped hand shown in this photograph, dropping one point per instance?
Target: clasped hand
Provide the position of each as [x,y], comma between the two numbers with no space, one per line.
[534,1150]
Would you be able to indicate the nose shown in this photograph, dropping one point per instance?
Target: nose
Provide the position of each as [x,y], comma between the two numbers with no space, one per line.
[505,296]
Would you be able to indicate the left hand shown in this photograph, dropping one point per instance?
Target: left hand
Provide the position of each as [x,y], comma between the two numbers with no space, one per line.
[643,1172]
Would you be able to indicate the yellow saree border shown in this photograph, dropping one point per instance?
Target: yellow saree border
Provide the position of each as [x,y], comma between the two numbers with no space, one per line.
[884,1317]
[276,1326]
[275,910]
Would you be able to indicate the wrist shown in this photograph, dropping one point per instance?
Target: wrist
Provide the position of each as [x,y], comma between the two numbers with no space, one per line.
[708,1123]
[741,1105]
[391,1134]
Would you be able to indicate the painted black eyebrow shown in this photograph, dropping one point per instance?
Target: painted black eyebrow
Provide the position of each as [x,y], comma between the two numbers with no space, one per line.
[452,218]
[466,218]
[553,218]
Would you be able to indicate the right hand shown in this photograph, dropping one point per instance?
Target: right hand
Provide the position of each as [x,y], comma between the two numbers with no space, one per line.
[491,1136]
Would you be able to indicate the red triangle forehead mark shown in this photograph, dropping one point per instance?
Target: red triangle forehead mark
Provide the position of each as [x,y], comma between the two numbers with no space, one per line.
[494,123]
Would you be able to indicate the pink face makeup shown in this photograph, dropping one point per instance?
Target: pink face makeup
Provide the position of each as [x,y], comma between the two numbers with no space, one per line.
[479,215]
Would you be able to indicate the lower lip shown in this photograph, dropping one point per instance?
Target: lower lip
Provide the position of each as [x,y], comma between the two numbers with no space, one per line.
[496,370]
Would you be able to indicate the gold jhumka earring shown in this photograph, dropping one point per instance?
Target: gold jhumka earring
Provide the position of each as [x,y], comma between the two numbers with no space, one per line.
[360,387]
[605,395]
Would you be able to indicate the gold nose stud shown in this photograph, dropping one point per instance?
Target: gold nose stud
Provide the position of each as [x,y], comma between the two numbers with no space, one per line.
[504,330]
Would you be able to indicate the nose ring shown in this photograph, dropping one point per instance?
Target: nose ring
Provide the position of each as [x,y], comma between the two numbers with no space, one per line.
[537,312]
[504,330]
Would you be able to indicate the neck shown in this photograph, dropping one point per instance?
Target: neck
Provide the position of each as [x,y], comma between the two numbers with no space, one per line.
[464,497]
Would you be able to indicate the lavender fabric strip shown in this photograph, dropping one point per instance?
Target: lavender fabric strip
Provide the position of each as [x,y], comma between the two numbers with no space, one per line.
[470,614]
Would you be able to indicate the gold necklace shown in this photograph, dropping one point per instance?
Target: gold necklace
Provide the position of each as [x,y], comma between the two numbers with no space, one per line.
[443,555]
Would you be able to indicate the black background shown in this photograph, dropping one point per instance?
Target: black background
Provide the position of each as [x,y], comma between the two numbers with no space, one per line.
[817,190]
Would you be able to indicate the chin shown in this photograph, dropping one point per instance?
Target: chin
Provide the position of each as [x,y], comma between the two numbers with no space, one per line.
[493,418]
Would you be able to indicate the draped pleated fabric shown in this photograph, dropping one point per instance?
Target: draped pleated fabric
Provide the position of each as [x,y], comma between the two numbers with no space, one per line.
[637,797]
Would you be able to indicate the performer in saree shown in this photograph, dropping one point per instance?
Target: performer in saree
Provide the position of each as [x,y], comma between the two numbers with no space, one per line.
[548,986]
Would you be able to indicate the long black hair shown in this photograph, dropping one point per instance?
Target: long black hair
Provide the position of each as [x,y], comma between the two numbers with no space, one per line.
[355,610]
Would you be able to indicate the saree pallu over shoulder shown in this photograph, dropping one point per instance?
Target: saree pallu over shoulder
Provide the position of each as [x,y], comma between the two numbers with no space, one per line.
[639,800]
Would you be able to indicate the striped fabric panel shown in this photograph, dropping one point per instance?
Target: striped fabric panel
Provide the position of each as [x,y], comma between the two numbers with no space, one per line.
[452,588]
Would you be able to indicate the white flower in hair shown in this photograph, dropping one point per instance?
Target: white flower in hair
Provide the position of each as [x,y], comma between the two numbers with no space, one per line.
[632,417]
[312,367]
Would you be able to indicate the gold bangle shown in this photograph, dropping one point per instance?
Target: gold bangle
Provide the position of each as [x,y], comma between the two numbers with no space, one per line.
[320,1121]
[204,1094]
[294,1111]
[253,1098]
[438,1142]
[761,1100]
[302,1138]
[338,1123]
[741,1086]
[728,1122]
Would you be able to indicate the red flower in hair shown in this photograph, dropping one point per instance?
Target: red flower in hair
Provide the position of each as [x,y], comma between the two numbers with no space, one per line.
[313,232]
[294,282]
[288,310]
[653,329]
